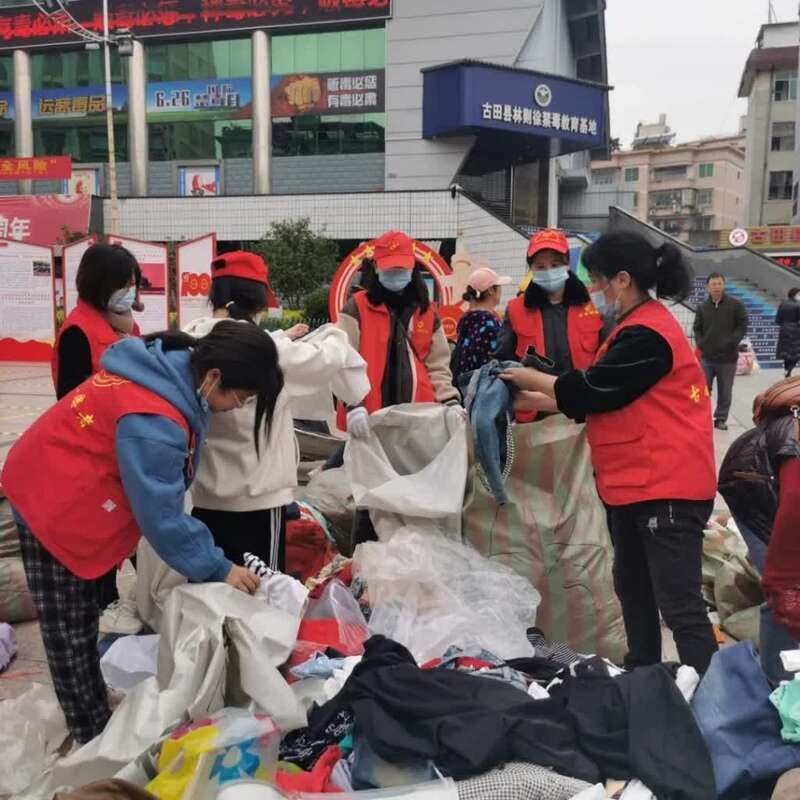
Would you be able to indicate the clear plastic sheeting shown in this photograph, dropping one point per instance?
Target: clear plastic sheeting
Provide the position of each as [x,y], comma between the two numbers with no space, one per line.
[412,470]
[429,593]
[32,728]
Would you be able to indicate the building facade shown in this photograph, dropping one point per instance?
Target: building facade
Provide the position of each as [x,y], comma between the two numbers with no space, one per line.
[691,190]
[769,82]
[233,99]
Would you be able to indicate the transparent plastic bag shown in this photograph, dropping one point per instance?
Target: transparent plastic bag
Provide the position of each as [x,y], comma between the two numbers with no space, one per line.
[332,620]
[429,592]
[198,759]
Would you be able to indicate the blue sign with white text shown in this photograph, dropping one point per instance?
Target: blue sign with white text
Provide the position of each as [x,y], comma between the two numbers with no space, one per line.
[464,97]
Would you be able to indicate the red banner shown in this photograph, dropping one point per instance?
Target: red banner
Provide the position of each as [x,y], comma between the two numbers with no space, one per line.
[46,168]
[42,219]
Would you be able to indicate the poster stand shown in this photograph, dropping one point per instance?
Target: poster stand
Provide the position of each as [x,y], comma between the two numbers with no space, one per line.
[193,259]
[71,255]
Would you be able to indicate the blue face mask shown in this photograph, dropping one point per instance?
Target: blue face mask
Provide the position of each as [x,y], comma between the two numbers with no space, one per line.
[604,308]
[394,280]
[122,300]
[551,280]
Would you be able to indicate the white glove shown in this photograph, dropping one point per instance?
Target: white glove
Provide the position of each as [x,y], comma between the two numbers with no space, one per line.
[358,423]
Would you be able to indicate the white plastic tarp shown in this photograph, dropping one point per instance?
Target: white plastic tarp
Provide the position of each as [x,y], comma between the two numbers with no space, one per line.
[219,647]
[412,470]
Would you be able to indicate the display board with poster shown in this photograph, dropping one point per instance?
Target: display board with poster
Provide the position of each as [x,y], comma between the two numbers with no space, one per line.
[194,277]
[152,260]
[85,180]
[43,218]
[27,302]
[199,181]
[71,257]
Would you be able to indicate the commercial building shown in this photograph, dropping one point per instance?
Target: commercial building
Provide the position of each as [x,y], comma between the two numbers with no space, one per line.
[691,190]
[769,82]
[230,113]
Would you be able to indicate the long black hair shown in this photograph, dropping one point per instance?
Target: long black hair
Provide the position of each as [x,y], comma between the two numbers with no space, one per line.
[245,356]
[415,294]
[105,269]
[663,268]
[242,298]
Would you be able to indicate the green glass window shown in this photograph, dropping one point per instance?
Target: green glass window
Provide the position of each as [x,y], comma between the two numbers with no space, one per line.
[60,70]
[329,51]
[6,74]
[85,143]
[207,139]
[315,135]
[228,58]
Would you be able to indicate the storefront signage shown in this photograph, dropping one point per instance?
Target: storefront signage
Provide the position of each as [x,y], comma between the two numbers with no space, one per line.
[23,26]
[770,237]
[42,219]
[215,98]
[328,93]
[38,169]
[76,102]
[468,97]
[6,105]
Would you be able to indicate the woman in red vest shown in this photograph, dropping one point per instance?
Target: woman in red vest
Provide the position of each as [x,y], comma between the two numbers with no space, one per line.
[117,455]
[107,291]
[648,417]
[395,328]
[554,316]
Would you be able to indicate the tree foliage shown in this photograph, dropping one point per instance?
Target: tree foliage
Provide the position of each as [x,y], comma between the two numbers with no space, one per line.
[300,260]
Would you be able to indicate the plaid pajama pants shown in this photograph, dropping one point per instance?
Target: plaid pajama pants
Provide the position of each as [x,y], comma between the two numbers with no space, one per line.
[69,617]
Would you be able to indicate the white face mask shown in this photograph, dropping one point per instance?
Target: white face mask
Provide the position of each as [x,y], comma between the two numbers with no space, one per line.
[204,396]
[122,300]
[604,308]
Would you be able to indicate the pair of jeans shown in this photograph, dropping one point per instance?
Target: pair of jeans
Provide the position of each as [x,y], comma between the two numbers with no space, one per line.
[772,636]
[490,406]
[658,549]
[724,374]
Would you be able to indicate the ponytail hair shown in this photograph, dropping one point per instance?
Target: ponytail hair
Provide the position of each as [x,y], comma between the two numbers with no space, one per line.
[471,295]
[662,268]
[242,298]
[245,356]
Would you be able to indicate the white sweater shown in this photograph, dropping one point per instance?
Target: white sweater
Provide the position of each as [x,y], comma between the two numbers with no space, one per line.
[231,476]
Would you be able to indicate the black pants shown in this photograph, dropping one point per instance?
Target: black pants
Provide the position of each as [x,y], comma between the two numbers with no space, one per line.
[788,365]
[725,374]
[262,533]
[658,547]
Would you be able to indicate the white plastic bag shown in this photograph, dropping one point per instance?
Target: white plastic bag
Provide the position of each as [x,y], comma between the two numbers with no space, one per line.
[32,728]
[429,592]
[412,469]
[129,661]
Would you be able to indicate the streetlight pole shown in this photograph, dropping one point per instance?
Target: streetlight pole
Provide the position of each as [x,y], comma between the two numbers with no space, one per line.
[112,150]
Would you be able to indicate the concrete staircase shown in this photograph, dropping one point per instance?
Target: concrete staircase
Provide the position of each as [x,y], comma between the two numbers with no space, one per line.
[761,307]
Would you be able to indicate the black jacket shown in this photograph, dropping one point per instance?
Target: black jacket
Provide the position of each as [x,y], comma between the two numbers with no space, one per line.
[788,317]
[719,327]
[748,477]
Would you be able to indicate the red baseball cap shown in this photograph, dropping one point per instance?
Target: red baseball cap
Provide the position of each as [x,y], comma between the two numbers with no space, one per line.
[548,239]
[394,250]
[241,264]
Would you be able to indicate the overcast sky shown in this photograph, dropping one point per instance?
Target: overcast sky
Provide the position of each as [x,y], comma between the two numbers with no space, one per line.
[684,58]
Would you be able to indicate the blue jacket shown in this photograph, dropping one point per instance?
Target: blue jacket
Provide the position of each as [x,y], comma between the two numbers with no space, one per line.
[152,453]
[490,407]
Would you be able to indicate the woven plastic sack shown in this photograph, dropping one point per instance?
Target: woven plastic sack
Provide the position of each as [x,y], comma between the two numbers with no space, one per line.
[553,531]
[430,592]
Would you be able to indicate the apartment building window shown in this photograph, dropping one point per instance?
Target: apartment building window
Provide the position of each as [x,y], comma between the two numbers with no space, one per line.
[666,199]
[705,197]
[631,174]
[603,177]
[785,85]
[706,223]
[782,137]
[780,185]
[706,171]
[636,199]
[6,124]
[675,173]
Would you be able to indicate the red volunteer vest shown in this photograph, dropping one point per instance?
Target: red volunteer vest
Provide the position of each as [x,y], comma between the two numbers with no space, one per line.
[96,329]
[584,325]
[374,347]
[661,446]
[63,479]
